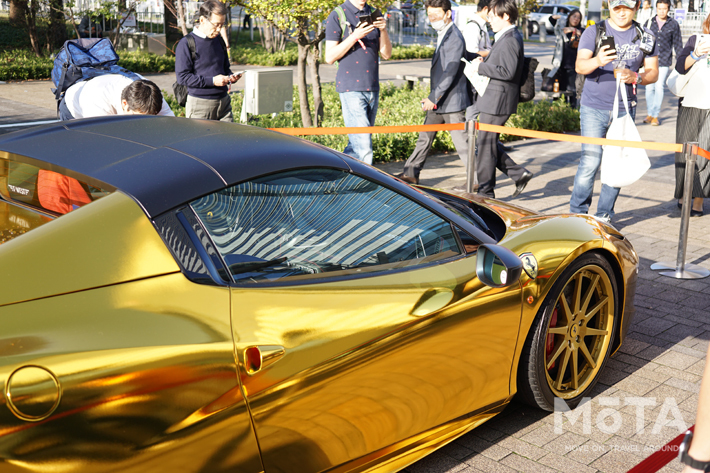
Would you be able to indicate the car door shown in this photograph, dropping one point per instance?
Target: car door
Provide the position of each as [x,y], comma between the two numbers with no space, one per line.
[358,319]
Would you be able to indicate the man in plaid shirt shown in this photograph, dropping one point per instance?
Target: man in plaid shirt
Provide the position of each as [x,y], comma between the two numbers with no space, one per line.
[668,38]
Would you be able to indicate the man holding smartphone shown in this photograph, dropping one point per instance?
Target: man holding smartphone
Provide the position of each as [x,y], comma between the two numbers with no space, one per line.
[356,36]
[635,46]
[205,71]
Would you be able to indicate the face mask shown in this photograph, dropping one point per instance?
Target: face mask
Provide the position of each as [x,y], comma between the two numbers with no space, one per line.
[438,25]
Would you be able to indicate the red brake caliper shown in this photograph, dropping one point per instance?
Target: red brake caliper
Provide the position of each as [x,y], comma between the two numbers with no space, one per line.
[550,343]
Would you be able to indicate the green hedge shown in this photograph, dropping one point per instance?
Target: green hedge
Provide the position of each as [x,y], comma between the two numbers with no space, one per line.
[400,106]
[24,65]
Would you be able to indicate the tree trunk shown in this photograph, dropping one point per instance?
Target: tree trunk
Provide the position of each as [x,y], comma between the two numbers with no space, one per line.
[302,85]
[57,25]
[17,12]
[267,36]
[181,17]
[31,23]
[172,33]
[314,66]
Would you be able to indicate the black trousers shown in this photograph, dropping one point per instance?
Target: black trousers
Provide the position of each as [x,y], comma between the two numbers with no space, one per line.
[491,157]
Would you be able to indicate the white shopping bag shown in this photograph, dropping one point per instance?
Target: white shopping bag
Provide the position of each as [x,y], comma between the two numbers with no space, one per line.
[622,166]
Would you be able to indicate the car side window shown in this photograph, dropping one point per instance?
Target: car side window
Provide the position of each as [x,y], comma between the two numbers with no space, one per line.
[313,223]
[546,10]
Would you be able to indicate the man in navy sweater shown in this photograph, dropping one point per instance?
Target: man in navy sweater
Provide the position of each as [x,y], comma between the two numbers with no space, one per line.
[207,76]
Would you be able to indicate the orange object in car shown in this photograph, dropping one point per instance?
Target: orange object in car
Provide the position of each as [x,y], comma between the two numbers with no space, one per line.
[60,193]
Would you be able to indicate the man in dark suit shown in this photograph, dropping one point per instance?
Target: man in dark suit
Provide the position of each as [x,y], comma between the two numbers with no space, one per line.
[450,94]
[504,67]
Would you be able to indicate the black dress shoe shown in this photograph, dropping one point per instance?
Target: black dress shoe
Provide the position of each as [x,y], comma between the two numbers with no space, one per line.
[407,179]
[679,204]
[696,213]
[522,182]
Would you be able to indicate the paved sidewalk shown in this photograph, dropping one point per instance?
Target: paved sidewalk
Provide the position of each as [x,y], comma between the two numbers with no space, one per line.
[663,357]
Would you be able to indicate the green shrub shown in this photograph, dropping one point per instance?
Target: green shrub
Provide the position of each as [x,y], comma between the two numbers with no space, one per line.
[555,117]
[146,62]
[416,51]
[22,64]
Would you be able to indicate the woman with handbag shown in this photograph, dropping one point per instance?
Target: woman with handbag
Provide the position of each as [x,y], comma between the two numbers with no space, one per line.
[693,122]
[570,37]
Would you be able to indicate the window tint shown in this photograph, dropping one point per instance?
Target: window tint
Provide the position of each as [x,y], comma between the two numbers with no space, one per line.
[547,9]
[47,190]
[301,224]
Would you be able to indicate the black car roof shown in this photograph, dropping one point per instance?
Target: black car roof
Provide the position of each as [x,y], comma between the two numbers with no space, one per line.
[163,162]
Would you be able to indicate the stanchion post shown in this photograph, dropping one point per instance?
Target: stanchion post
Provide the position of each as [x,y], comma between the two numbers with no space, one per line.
[471,180]
[681,270]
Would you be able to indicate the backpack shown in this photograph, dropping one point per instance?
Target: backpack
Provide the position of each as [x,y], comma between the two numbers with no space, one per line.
[180,90]
[601,34]
[83,59]
[527,79]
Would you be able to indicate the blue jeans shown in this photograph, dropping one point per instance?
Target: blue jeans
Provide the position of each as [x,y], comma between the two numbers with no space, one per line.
[654,93]
[595,123]
[359,109]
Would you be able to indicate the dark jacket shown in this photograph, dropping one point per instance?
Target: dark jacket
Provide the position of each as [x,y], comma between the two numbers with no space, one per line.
[504,66]
[449,87]
[667,40]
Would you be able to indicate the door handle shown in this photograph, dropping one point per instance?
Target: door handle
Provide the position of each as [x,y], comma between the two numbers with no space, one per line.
[432,300]
[258,356]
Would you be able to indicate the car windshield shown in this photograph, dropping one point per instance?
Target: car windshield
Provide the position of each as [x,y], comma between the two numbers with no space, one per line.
[299,224]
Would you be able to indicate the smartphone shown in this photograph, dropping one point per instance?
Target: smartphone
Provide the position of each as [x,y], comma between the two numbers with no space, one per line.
[608,41]
[239,73]
[366,19]
[703,38]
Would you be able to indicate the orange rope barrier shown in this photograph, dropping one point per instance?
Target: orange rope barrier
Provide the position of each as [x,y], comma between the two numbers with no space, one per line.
[673,147]
[369,129]
[670,147]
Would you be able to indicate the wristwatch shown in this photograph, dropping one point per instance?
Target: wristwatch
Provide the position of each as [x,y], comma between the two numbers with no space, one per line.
[687,459]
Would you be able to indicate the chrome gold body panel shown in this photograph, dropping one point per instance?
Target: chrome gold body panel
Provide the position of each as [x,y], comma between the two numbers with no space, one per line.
[364,374]
[108,242]
[148,381]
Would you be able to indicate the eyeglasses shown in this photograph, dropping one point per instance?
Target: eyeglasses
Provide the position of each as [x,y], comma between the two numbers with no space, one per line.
[218,26]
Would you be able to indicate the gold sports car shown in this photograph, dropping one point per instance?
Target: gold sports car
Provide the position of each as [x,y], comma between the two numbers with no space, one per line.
[184,295]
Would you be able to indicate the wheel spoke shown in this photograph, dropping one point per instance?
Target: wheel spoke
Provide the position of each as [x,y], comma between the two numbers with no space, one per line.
[575,371]
[595,331]
[590,291]
[596,308]
[587,355]
[565,307]
[577,293]
[561,372]
[557,330]
[552,359]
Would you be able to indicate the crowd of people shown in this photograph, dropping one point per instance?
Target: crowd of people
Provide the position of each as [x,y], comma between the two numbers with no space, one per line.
[472,78]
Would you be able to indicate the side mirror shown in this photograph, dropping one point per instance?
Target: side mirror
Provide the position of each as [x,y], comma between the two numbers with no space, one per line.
[497,266]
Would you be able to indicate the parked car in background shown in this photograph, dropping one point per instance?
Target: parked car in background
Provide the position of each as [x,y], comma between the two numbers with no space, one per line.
[547,15]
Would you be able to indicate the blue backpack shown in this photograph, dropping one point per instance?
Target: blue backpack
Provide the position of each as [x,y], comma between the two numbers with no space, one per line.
[83,59]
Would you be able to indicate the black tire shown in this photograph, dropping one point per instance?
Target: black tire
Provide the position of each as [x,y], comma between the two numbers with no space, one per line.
[535,27]
[547,363]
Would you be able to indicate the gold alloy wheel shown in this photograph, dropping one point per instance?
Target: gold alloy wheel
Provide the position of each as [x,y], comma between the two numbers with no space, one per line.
[579,332]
